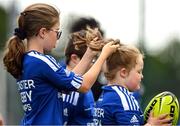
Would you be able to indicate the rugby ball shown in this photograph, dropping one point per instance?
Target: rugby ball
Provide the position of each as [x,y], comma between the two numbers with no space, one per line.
[163,103]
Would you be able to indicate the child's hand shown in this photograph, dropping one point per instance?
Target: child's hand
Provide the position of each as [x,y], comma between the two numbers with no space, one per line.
[162,120]
[109,48]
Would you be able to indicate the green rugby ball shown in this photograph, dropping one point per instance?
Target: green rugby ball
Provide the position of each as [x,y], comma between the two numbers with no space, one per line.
[163,103]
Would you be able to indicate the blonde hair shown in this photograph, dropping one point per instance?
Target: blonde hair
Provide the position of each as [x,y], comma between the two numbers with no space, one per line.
[126,56]
[30,21]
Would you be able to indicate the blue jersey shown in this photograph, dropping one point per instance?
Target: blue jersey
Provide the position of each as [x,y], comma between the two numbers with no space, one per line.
[78,107]
[137,95]
[117,106]
[40,88]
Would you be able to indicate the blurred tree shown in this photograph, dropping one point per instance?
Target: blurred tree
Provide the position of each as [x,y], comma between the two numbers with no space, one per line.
[162,72]
[171,53]
[3,27]
[170,56]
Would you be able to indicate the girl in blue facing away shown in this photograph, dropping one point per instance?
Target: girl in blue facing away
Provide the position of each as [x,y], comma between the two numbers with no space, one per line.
[40,79]
[116,105]
[78,107]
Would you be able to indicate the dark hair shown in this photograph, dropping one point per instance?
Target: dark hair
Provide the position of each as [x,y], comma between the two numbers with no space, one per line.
[80,24]
[31,20]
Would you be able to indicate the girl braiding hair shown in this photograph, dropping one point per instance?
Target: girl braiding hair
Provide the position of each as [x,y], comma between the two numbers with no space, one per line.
[91,38]
[41,80]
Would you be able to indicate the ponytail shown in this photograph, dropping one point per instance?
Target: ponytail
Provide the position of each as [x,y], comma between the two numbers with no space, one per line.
[30,21]
[13,56]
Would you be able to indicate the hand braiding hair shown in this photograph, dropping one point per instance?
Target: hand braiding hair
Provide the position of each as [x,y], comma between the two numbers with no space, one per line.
[91,38]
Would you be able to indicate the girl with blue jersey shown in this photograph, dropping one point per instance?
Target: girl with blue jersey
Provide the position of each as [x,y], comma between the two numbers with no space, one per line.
[78,107]
[116,105]
[40,79]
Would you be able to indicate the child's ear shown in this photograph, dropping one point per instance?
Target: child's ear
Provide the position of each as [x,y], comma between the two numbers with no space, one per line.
[123,72]
[75,59]
[42,32]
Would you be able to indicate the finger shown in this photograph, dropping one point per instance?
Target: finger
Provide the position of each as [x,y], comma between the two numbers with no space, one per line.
[110,43]
[162,116]
[168,124]
[115,46]
[166,121]
[116,43]
[151,113]
[163,125]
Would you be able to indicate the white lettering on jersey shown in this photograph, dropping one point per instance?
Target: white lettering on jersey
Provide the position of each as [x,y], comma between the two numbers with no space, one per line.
[99,112]
[25,88]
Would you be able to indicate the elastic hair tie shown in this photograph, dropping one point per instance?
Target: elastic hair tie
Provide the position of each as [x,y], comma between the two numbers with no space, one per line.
[20,33]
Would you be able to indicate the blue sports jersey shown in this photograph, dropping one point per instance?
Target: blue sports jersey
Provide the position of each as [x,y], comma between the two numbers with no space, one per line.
[137,95]
[117,106]
[40,88]
[78,107]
